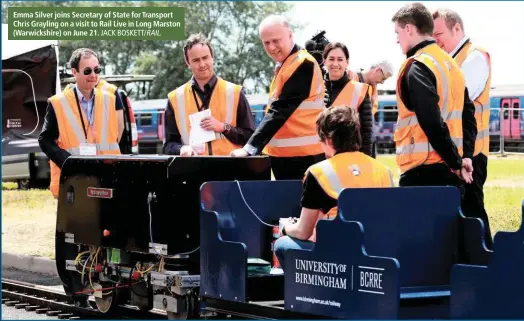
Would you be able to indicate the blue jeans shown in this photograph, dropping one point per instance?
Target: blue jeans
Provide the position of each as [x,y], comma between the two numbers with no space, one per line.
[285,243]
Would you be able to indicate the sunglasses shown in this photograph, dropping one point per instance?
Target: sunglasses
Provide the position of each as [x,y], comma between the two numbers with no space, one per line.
[88,71]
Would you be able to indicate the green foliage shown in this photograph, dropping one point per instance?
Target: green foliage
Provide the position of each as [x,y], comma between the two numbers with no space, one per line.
[232,28]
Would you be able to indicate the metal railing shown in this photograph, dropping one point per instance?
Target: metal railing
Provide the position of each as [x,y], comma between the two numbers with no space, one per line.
[506,130]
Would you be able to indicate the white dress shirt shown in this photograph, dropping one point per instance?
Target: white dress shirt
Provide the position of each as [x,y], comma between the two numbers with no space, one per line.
[475,69]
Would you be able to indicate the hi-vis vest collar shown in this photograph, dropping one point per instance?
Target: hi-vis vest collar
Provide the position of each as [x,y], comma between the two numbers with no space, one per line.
[105,86]
[277,85]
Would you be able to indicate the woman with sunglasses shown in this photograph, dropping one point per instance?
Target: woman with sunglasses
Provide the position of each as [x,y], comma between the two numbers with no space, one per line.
[341,90]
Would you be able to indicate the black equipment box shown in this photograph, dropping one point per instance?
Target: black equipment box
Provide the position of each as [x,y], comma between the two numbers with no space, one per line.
[142,203]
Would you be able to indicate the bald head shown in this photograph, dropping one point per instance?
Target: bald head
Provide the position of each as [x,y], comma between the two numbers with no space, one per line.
[277,37]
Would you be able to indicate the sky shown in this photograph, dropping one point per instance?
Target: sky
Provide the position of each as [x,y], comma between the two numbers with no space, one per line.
[366,29]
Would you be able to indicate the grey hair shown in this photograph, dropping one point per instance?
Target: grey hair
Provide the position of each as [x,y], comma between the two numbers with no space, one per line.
[272,20]
[385,65]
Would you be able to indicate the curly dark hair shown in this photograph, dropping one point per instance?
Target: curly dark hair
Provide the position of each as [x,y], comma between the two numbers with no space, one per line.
[342,126]
[196,39]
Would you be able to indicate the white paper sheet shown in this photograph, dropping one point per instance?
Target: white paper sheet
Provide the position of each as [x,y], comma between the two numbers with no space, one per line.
[197,135]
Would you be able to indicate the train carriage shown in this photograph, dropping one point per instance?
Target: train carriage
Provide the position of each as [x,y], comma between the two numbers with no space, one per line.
[510,126]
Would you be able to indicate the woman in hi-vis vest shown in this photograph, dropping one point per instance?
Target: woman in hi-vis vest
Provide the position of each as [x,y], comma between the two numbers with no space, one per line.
[345,167]
[341,90]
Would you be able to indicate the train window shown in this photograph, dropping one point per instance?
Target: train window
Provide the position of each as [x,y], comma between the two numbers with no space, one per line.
[505,107]
[146,120]
[390,113]
[516,110]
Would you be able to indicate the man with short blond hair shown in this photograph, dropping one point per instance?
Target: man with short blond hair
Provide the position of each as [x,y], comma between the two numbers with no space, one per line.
[288,133]
[475,63]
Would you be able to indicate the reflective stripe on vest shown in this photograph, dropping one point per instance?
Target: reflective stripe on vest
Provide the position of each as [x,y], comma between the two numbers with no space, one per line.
[423,147]
[183,101]
[71,133]
[482,103]
[298,136]
[352,95]
[103,145]
[412,146]
[349,170]
[373,92]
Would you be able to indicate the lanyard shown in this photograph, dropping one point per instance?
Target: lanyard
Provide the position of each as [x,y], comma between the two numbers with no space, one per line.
[460,49]
[204,102]
[82,117]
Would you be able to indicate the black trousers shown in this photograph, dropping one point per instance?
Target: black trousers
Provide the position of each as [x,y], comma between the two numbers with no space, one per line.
[473,201]
[290,168]
[431,175]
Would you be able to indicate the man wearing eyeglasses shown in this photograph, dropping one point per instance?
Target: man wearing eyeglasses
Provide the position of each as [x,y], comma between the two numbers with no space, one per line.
[378,73]
[81,120]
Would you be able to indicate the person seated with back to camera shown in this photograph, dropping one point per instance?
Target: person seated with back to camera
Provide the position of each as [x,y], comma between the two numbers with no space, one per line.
[345,167]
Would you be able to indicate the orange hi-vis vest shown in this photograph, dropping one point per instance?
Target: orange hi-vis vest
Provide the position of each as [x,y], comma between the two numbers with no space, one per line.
[372,90]
[413,147]
[298,136]
[352,95]
[482,106]
[353,75]
[223,104]
[103,133]
[105,86]
[349,170]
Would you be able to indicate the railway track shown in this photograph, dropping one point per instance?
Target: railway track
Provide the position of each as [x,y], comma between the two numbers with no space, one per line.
[40,300]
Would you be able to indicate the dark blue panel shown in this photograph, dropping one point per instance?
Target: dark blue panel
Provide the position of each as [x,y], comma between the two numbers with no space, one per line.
[338,279]
[476,252]
[222,264]
[415,225]
[493,291]
[230,232]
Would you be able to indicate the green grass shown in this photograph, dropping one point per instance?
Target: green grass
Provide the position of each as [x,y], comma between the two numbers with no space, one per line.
[503,191]
[28,222]
[29,217]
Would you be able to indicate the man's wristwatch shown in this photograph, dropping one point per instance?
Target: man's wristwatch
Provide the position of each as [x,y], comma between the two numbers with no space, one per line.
[227,128]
